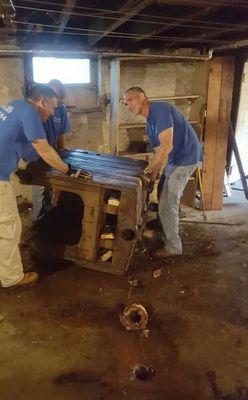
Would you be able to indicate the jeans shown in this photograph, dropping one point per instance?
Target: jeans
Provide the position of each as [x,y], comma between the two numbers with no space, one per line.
[168,206]
[41,199]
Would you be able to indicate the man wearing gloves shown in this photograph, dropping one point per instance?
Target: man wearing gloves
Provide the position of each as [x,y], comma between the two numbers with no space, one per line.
[174,139]
[21,131]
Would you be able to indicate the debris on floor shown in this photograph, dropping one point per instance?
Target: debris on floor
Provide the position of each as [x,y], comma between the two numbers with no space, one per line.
[133,282]
[76,376]
[145,333]
[2,317]
[240,393]
[197,322]
[157,272]
[211,244]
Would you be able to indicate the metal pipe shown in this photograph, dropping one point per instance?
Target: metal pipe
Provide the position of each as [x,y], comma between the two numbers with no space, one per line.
[121,56]
[231,46]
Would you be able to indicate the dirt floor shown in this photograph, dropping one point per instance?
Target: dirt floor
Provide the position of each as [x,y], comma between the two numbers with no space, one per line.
[62,338]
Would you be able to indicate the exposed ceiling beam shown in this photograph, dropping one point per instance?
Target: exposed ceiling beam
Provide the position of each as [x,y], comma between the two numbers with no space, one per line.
[171,26]
[207,35]
[68,7]
[7,8]
[129,9]
[174,2]
[205,3]
[7,13]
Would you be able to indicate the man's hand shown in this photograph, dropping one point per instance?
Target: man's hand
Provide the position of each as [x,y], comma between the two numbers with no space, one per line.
[161,152]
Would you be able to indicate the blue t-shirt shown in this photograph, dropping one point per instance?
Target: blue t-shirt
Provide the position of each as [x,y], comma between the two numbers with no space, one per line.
[186,147]
[19,125]
[56,125]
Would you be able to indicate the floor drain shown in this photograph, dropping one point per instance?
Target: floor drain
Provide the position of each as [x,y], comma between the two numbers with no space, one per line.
[142,372]
[134,317]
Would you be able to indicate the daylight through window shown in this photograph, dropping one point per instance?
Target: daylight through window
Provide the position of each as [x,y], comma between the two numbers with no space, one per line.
[67,70]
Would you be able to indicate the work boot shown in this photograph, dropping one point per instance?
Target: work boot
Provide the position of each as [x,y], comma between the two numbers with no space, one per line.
[163,253]
[28,279]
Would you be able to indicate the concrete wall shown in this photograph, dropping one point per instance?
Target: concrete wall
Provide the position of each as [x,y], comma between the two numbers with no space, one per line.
[90,129]
[162,79]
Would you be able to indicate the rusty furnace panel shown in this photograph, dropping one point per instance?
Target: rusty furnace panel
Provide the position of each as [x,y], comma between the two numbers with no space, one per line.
[114,201]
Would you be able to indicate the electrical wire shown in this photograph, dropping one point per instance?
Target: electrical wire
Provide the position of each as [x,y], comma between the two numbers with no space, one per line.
[244,27]
[119,37]
[96,32]
[224,3]
[119,13]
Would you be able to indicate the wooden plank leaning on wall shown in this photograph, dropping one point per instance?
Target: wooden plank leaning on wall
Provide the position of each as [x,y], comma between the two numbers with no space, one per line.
[219,101]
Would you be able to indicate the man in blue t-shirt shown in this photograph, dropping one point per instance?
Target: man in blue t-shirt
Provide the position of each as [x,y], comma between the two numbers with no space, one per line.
[58,124]
[173,139]
[55,127]
[21,134]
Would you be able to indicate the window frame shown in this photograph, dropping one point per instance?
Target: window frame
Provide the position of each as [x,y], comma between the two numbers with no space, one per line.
[29,76]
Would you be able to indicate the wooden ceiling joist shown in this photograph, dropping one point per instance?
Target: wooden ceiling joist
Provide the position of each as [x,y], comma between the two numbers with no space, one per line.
[65,17]
[167,28]
[129,9]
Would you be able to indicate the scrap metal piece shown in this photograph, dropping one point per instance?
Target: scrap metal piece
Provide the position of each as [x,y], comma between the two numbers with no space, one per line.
[157,272]
[134,317]
[133,282]
[145,333]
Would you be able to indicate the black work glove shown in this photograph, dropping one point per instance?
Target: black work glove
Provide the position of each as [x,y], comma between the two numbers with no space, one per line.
[25,176]
[149,184]
[76,173]
[150,187]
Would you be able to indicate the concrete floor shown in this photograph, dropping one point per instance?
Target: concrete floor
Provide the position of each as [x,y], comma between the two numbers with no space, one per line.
[62,339]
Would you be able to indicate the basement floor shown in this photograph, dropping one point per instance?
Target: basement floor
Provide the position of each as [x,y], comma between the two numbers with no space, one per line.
[62,338]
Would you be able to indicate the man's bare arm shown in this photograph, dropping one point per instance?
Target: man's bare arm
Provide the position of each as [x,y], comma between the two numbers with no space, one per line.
[49,155]
[161,152]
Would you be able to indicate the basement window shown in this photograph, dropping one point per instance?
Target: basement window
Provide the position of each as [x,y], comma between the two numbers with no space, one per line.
[67,70]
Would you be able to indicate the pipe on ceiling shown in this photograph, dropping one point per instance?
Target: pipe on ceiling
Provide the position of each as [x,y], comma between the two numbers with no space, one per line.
[121,56]
[232,46]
